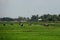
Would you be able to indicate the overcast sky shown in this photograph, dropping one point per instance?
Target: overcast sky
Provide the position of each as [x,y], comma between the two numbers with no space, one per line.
[26,8]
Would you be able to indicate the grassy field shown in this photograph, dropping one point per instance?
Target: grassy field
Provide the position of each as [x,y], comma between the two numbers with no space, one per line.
[30,32]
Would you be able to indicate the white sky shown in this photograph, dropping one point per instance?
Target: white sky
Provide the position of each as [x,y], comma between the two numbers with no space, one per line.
[26,8]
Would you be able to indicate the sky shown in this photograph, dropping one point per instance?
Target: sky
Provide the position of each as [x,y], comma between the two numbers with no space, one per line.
[27,8]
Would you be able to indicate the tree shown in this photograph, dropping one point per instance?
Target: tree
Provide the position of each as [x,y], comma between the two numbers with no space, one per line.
[20,18]
[28,19]
[59,17]
[34,18]
[54,17]
[48,17]
[7,19]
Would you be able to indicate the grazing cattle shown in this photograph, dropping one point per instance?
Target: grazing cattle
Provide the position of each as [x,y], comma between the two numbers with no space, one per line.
[30,23]
[46,24]
[4,24]
[21,24]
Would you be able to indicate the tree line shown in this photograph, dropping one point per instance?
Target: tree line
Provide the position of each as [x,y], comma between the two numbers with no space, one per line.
[34,18]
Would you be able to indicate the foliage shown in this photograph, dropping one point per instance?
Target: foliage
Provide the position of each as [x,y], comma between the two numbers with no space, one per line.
[7,19]
[34,18]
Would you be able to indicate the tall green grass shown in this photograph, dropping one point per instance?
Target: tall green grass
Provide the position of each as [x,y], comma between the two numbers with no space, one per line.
[30,32]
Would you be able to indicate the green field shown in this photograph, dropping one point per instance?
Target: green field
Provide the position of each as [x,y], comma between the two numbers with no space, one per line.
[30,32]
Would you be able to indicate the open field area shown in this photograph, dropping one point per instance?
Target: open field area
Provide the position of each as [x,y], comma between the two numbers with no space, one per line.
[35,31]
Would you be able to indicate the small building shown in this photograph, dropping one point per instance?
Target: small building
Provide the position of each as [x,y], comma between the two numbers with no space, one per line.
[39,19]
